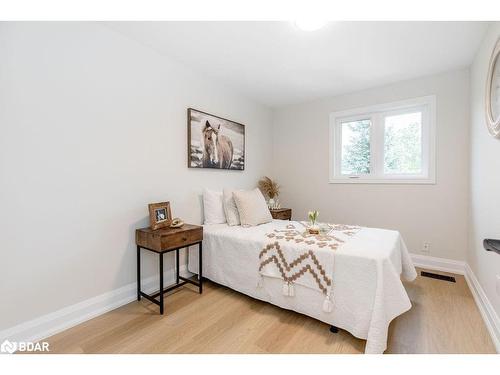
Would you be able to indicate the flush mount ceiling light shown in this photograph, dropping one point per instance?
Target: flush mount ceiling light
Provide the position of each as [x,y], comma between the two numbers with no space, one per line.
[310,24]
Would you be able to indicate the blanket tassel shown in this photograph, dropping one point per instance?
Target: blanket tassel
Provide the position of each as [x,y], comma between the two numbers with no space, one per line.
[286,289]
[260,283]
[327,304]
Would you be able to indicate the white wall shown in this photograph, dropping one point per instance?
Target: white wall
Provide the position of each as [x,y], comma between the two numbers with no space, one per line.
[432,213]
[484,176]
[93,128]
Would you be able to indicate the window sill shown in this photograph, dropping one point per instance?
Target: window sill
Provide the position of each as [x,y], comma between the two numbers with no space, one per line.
[419,181]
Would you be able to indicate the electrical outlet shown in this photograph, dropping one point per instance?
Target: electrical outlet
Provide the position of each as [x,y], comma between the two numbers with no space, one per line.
[498,285]
[426,248]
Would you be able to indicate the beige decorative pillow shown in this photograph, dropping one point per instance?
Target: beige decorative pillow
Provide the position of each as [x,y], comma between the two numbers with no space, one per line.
[230,209]
[252,207]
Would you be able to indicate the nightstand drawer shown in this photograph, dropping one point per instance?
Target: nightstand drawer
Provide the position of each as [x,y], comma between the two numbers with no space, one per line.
[164,239]
[185,238]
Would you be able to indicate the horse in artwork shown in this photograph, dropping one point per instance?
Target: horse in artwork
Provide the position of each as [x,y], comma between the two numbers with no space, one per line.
[217,148]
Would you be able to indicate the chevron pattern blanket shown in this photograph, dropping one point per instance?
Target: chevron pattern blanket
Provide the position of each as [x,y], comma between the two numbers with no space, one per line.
[297,257]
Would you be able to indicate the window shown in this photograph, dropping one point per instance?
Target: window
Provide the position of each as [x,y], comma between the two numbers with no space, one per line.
[403,143]
[356,147]
[389,143]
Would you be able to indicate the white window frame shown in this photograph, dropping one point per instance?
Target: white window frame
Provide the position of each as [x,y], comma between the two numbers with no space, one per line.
[377,113]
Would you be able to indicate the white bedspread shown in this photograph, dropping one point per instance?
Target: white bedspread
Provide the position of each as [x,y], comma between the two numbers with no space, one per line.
[367,289]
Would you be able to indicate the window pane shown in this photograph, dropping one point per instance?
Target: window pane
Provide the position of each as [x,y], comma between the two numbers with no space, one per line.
[356,147]
[403,144]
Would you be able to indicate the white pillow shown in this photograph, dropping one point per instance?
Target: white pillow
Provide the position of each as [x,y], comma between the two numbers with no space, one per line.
[230,209]
[252,207]
[212,207]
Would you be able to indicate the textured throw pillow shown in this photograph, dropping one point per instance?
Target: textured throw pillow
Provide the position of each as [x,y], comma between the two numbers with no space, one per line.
[212,207]
[252,207]
[230,209]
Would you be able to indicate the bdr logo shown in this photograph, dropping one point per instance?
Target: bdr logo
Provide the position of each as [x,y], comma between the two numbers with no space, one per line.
[10,347]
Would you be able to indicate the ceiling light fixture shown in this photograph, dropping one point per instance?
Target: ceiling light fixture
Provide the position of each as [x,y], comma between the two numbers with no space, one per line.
[309,24]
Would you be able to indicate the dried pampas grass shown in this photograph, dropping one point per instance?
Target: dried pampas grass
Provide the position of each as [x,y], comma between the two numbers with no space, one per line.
[269,187]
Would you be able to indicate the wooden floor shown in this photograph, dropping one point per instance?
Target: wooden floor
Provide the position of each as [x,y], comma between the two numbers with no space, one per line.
[444,319]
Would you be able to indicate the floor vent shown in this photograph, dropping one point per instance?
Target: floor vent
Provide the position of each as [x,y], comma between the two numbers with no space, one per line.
[451,279]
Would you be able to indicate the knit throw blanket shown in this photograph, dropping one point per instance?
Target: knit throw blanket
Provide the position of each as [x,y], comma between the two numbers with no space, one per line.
[297,257]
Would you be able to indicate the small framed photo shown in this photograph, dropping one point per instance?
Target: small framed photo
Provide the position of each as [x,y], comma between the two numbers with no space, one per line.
[160,215]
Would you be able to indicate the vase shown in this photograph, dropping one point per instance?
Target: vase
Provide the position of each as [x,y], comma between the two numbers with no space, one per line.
[271,203]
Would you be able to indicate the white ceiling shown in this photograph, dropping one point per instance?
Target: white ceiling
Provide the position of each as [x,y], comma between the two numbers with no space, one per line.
[277,64]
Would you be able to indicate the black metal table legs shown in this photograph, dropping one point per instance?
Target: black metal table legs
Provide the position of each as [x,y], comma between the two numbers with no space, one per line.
[179,280]
[138,273]
[161,284]
[177,266]
[200,267]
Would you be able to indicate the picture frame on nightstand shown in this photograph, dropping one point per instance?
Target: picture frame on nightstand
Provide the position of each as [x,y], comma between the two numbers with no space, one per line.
[160,215]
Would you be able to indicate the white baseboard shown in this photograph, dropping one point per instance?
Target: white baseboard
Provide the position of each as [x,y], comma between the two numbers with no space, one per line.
[439,264]
[60,320]
[489,315]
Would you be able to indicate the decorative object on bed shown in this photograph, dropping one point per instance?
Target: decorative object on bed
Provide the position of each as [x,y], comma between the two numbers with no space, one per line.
[176,223]
[213,208]
[291,253]
[252,207]
[271,189]
[215,142]
[230,209]
[313,227]
[282,214]
[159,215]
[493,92]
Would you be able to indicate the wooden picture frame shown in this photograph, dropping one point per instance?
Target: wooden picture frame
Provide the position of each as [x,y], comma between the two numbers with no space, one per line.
[214,142]
[160,215]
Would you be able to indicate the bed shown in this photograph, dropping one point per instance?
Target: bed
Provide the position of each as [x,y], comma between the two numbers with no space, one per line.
[365,264]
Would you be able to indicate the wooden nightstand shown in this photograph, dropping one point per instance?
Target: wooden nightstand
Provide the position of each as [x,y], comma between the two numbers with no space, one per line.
[282,213]
[163,241]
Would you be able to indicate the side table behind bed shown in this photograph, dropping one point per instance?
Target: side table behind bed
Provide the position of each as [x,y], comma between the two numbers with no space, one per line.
[282,213]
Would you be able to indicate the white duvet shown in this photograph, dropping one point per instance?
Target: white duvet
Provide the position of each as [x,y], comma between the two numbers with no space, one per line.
[367,290]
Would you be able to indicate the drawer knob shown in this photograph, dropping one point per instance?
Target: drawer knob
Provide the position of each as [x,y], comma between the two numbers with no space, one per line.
[184,238]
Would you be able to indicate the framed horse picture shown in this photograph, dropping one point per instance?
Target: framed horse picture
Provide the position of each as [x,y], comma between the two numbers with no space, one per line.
[215,142]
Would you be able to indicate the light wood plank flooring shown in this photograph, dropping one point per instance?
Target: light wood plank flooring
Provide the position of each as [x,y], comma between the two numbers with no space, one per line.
[444,319]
